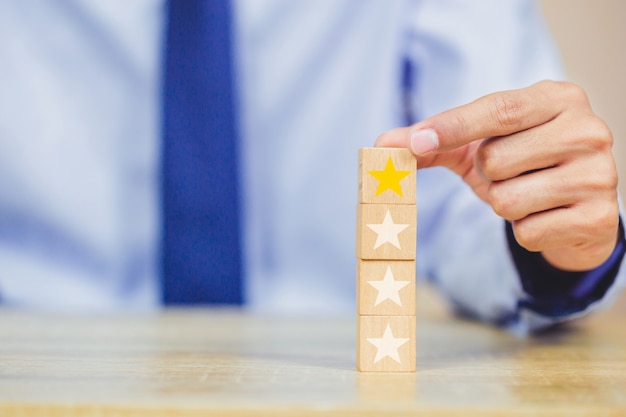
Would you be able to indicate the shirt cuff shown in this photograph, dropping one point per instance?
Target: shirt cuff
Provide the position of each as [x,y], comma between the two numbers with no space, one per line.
[555,293]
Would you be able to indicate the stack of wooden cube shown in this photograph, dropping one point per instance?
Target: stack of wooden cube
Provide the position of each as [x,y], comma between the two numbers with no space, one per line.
[386,242]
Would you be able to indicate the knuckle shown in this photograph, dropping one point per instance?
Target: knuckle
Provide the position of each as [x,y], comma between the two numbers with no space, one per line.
[529,237]
[598,135]
[572,92]
[486,159]
[598,229]
[503,201]
[590,132]
[605,219]
[606,178]
[461,125]
[601,176]
[612,179]
[508,111]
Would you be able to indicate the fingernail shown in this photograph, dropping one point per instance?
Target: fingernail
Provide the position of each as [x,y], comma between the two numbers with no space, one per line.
[424,141]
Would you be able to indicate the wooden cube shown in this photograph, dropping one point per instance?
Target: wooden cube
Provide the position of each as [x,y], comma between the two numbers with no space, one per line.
[386,176]
[385,288]
[386,231]
[389,388]
[386,343]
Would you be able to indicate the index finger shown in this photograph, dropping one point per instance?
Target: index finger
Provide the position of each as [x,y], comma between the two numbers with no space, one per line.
[496,114]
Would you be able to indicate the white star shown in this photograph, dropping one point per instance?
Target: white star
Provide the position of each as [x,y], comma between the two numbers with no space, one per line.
[387,345]
[387,231]
[388,288]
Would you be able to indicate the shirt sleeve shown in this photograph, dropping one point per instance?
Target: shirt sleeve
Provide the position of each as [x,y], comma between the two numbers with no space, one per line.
[558,294]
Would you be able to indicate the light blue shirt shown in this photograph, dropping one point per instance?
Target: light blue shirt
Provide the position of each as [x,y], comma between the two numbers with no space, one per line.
[317,79]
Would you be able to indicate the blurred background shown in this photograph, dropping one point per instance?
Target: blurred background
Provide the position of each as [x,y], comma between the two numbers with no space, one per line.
[592,38]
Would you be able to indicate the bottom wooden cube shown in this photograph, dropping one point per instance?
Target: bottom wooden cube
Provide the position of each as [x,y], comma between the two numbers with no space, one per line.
[385,344]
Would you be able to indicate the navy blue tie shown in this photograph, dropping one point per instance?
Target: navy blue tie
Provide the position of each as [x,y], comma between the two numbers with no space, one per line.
[201,244]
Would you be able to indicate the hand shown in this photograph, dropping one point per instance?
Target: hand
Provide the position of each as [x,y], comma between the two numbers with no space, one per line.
[540,157]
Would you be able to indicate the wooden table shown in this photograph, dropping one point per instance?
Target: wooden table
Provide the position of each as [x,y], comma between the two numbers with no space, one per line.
[230,363]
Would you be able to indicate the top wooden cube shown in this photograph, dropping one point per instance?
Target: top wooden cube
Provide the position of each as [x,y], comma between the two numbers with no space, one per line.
[386,176]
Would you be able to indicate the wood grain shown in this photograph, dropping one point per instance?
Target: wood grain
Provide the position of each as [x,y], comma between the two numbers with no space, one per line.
[375,329]
[201,362]
[376,159]
[368,295]
[375,214]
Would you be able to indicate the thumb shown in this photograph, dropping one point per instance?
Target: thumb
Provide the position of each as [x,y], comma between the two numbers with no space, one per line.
[458,160]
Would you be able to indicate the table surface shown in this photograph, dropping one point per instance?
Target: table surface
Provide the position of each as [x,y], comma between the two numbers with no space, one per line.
[202,362]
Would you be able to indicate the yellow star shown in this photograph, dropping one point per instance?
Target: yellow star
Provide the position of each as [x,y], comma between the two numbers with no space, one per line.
[389,178]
